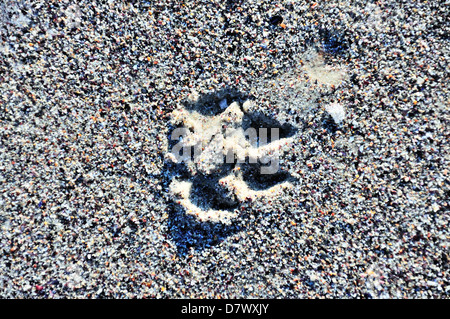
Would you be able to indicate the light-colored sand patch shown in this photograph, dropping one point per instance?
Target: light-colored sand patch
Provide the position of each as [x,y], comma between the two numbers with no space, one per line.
[182,189]
[240,188]
[317,70]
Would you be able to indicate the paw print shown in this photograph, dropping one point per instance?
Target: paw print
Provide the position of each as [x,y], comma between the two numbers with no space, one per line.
[229,156]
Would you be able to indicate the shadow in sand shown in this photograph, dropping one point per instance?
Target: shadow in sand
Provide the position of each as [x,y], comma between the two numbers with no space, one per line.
[328,124]
[258,182]
[187,232]
[258,120]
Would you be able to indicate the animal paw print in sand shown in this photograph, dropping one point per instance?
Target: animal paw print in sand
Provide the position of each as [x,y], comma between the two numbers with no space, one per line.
[214,185]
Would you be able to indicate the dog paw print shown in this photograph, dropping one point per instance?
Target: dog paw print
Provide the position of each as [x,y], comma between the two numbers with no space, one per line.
[228,156]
